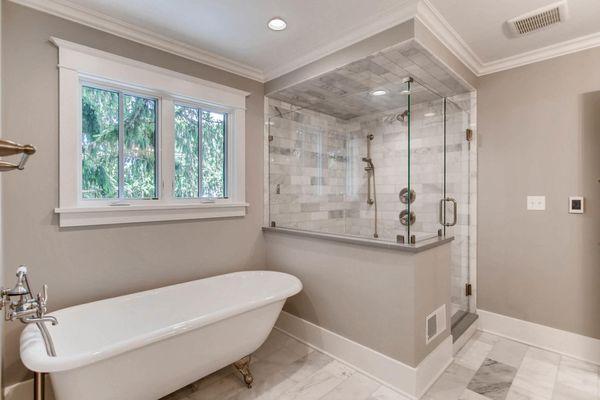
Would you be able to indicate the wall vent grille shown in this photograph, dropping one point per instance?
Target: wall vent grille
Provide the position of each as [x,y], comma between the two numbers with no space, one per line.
[435,323]
[538,19]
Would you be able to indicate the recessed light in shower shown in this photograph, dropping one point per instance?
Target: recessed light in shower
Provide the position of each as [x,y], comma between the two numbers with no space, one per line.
[429,114]
[378,93]
[277,24]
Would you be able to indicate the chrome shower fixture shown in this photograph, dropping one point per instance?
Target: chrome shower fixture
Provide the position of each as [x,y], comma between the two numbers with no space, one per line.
[370,170]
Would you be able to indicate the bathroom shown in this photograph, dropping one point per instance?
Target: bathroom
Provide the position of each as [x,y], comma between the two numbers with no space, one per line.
[393,200]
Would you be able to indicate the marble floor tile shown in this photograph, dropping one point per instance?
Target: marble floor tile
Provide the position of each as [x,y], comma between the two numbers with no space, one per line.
[470,395]
[286,369]
[451,384]
[385,393]
[357,387]
[536,377]
[508,352]
[485,337]
[493,379]
[320,383]
[576,380]
[473,354]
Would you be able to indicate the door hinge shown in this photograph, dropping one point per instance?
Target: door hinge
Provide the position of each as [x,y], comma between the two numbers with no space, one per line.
[469,135]
[468,289]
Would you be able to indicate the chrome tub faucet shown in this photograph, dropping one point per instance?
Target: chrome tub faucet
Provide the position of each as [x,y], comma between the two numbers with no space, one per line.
[19,304]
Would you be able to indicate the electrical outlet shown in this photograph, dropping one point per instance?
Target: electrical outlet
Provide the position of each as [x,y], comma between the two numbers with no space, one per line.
[536,203]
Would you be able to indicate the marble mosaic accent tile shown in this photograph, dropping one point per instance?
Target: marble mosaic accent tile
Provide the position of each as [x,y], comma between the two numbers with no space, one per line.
[493,379]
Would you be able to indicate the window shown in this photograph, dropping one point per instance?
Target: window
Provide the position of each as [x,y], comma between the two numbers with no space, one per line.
[118,145]
[140,143]
[200,153]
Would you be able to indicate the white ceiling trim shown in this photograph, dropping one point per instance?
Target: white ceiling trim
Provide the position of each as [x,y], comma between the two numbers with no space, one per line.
[73,12]
[445,33]
[387,19]
[544,53]
[438,25]
[425,12]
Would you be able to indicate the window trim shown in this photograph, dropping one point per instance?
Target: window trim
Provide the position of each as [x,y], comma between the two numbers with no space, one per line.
[79,64]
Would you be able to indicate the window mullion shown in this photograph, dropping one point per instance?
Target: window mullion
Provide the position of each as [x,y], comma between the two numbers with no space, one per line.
[121,193]
[200,158]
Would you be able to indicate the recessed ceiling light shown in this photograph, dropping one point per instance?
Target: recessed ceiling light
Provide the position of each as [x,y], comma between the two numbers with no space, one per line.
[429,114]
[277,24]
[378,93]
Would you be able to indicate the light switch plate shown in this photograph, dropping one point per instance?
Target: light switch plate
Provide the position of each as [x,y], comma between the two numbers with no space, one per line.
[536,203]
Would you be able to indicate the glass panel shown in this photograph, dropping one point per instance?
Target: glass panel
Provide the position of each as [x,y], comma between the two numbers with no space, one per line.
[186,151]
[341,176]
[213,154]
[457,187]
[100,143]
[427,151]
[139,148]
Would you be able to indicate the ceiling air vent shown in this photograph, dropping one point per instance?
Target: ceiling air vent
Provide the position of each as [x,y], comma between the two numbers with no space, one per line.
[538,19]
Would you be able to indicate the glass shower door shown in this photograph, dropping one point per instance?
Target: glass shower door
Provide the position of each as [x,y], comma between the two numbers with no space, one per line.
[426,162]
[456,205]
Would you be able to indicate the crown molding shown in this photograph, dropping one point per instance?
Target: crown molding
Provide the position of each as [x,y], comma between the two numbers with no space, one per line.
[422,10]
[544,53]
[443,31]
[74,12]
[399,13]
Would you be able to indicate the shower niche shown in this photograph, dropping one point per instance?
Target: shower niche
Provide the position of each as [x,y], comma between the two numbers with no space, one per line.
[376,150]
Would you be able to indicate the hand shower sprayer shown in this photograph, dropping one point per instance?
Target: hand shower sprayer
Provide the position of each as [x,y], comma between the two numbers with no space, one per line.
[370,170]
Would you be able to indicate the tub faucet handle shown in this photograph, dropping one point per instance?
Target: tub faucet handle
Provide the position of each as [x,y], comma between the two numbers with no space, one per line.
[42,299]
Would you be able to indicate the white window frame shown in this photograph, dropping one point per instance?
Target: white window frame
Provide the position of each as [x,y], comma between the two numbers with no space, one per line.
[80,65]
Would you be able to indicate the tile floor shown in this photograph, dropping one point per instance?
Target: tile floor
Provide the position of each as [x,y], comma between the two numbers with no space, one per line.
[487,368]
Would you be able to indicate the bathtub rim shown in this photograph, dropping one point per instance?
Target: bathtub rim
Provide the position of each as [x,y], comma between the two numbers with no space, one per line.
[33,351]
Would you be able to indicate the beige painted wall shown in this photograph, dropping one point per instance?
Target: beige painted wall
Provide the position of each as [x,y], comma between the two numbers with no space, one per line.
[82,265]
[376,297]
[539,135]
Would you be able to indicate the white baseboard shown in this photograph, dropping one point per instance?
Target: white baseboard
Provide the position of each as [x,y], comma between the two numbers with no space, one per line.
[409,381]
[563,342]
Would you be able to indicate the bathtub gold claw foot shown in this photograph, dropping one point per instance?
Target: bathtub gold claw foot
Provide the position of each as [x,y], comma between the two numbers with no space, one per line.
[243,366]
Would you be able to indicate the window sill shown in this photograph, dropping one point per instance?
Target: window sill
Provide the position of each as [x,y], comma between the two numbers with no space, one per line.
[106,215]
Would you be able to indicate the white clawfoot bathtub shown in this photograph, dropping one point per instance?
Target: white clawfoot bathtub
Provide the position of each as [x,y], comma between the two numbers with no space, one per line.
[146,345]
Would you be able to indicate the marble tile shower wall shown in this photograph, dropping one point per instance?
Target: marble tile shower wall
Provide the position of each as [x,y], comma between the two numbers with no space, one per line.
[307,170]
[318,181]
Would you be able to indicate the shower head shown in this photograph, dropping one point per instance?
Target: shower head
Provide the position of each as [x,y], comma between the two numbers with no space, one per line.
[403,117]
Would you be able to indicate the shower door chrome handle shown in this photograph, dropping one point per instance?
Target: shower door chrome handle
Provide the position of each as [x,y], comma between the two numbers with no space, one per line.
[454,212]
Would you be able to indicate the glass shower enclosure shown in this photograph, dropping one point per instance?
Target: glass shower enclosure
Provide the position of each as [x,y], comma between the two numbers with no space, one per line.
[357,155]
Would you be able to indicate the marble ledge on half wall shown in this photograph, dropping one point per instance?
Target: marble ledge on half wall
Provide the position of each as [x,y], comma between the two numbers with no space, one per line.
[410,248]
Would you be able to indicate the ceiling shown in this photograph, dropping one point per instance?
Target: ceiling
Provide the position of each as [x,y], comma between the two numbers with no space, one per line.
[481,25]
[237,29]
[346,92]
[232,34]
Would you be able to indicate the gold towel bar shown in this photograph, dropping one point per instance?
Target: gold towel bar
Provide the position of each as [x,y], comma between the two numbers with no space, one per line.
[8,148]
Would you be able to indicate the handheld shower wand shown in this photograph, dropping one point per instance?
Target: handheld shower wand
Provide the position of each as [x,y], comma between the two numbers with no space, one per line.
[370,169]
